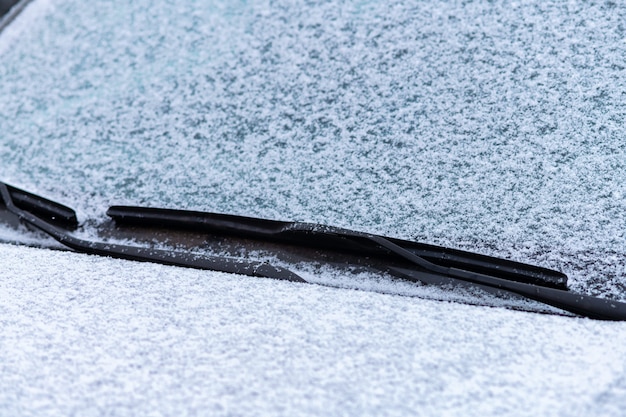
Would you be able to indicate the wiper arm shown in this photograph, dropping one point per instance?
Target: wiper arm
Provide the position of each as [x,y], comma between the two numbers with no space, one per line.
[303,241]
[584,305]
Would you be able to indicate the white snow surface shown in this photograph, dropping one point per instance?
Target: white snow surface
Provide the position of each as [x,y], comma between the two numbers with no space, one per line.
[80,337]
[495,127]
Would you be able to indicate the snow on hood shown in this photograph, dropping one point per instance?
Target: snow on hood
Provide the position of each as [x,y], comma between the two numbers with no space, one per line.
[85,335]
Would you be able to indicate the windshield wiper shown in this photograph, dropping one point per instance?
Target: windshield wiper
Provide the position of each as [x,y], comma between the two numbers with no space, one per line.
[50,217]
[294,242]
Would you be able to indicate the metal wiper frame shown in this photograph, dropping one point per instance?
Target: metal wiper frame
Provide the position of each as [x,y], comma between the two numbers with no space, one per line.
[295,242]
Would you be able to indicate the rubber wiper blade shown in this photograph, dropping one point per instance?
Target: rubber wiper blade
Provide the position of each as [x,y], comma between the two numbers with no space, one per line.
[37,206]
[425,263]
[332,239]
[52,212]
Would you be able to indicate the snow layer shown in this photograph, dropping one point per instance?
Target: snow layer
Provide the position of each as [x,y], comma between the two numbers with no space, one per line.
[496,127]
[80,338]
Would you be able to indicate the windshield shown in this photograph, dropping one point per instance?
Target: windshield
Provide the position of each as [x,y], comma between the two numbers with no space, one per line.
[452,127]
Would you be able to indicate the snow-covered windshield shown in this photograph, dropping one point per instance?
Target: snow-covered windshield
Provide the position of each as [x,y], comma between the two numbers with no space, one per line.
[496,127]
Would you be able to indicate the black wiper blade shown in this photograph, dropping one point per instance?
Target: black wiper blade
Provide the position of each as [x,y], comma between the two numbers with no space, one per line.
[53,213]
[428,263]
[331,238]
[40,206]
[295,242]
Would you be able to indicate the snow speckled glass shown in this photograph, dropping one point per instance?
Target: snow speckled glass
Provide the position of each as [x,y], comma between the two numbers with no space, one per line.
[497,127]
